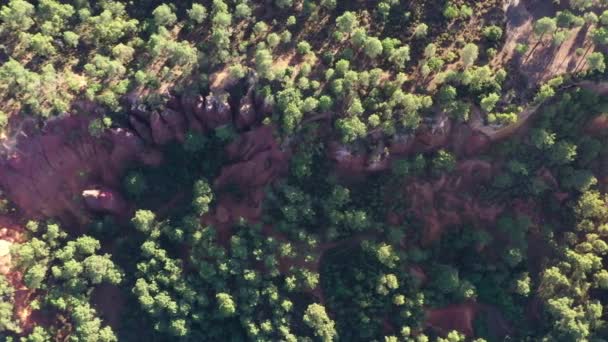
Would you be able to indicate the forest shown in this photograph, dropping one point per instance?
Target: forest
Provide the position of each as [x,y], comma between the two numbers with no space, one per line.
[303,170]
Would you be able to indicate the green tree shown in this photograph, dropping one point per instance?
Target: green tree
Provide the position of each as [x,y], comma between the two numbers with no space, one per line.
[347,22]
[263,64]
[144,221]
[7,321]
[198,13]
[421,30]
[123,53]
[563,152]
[604,18]
[325,103]
[446,279]
[489,102]
[17,15]
[372,47]
[110,25]
[226,305]
[444,161]
[600,36]
[328,4]
[71,38]
[544,26]
[400,56]
[351,128]
[42,44]
[203,195]
[303,47]
[596,62]
[317,319]
[66,271]
[469,54]
[283,3]
[492,33]
[53,16]
[592,205]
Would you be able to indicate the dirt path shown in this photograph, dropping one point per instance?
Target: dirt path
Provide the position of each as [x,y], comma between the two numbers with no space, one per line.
[496,133]
[524,118]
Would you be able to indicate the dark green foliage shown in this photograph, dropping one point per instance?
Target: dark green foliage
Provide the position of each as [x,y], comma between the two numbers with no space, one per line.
[337,253]
[66,271]
[351,274]
[226,284]
[7,321]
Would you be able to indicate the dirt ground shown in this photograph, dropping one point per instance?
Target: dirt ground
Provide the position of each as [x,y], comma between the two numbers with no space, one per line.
[543,60]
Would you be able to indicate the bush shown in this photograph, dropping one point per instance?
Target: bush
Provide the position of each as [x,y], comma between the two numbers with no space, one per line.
[492,33]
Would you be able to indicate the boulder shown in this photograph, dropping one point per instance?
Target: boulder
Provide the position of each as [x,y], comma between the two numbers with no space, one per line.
[256,162]
[106,201]
[347,162]
[246,111]
[198,108]
[433,136]
[401,144]
[194,124]
[216,111]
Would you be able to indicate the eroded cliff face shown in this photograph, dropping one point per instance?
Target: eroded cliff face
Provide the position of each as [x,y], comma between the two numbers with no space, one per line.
[65,172]
[442,133]
[46,172]
[255,162]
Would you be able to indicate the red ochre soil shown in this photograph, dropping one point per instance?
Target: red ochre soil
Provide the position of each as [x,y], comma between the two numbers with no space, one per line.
[63,171]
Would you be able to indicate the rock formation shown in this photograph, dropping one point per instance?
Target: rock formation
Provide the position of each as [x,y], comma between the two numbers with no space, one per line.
[45,173]
[255,161]
[64,171]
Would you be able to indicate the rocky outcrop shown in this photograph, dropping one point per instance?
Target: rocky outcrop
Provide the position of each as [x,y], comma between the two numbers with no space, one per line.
[107,201]
[45,173]
[438,133]
[256,160]
[434,135]
[476,144]
[247,110]
[63,171]
[348,162]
